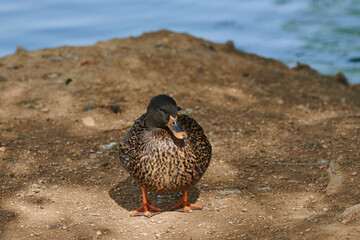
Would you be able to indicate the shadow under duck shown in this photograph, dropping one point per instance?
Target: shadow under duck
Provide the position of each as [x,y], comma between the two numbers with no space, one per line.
[165,152]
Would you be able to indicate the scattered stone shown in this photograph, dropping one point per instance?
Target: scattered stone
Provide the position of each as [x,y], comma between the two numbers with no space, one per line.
[312,219]
[53,75]
[88,121]
[89,107]
[208,46]
[2,149]
[244,210]
[44,110]
[303,67]
[21,50]
[70,56]
[251,179]
[98,233]
[56,58]
[264,188]
[115,108]
[354,174]
[311,198]
[322,161]
[160,46]
[59,81]
[33,104]
[230,46]
[68,81]
[108,146]
[228,192]
[340,78]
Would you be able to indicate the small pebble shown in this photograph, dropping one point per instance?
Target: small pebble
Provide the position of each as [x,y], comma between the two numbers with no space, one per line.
[2,149]
[68,81]
[98,233]
[228,192]
[251,178]
[264,188]
[354,174]
[53,75]
[59,81]
[244,210]
[108,146]
[89,107]
[88,121]
[208,46]
[115,108]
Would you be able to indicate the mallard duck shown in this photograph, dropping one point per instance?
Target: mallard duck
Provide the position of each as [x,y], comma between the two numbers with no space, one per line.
[165,152]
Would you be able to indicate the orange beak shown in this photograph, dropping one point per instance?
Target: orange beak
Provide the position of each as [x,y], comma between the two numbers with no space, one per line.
[176,128]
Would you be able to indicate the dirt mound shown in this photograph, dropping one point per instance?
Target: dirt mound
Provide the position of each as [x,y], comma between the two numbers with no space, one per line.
[279,137]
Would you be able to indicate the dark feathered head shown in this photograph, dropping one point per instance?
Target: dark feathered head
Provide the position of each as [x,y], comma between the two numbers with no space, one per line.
[162,112]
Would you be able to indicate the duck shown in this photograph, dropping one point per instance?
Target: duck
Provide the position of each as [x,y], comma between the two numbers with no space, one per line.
[165,152]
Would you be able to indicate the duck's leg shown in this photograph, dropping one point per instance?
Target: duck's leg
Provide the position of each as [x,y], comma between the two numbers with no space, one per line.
[146,209]
[185,205]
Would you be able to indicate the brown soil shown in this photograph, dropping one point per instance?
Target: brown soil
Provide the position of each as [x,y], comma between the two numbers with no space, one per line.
[285,143]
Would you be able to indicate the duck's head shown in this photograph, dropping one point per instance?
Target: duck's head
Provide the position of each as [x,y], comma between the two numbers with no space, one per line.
[162,112]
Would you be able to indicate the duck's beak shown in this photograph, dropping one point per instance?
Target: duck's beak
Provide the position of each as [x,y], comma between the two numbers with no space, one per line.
[176,128]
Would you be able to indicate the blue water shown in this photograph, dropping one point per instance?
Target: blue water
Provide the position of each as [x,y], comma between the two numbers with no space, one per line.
[322,33]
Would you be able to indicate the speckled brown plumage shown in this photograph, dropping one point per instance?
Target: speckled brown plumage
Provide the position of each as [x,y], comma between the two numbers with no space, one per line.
[160,162]
[165,152]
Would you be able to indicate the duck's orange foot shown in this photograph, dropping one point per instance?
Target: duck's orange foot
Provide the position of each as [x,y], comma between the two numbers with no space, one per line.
[146,211]
[186,207]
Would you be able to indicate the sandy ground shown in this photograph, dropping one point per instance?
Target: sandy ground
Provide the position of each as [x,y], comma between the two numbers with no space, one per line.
[285,143]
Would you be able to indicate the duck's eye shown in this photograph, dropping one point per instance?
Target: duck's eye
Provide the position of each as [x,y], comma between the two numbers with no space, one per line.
[173,123]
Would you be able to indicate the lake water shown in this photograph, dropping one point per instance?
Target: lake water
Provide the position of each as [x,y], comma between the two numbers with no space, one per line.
[322,33]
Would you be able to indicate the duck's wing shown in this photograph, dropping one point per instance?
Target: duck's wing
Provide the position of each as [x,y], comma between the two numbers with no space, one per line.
[130,144]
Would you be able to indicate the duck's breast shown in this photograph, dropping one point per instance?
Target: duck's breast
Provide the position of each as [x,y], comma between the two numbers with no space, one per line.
[166,165]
